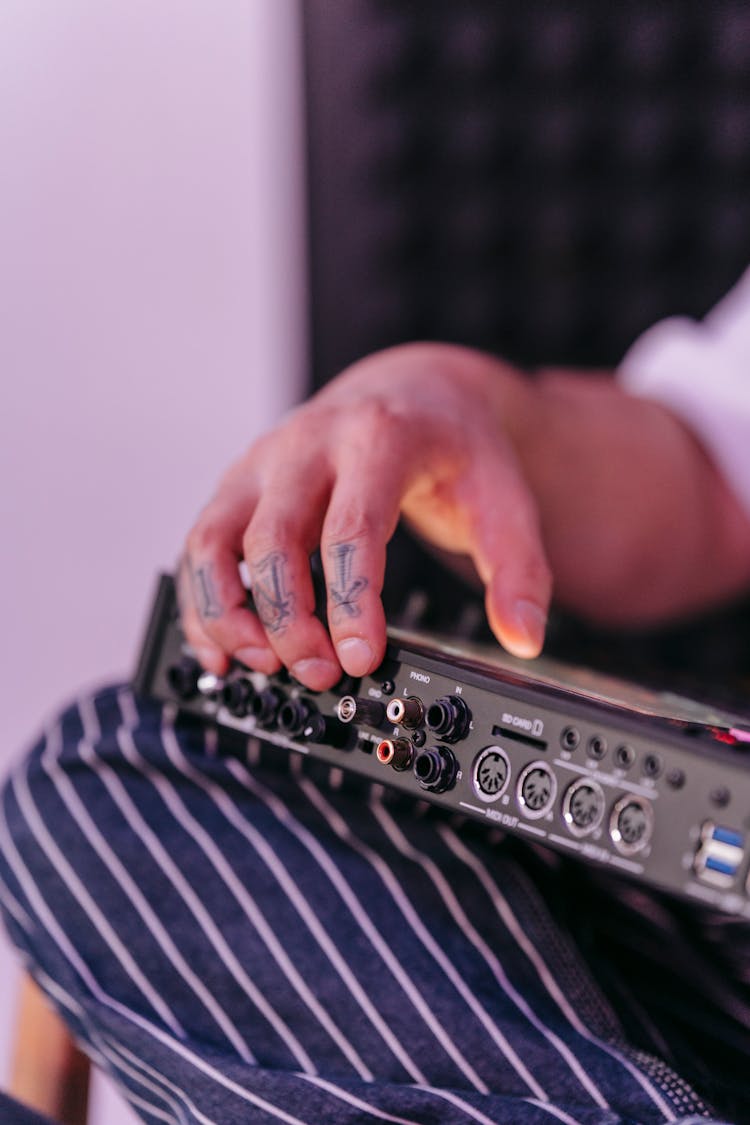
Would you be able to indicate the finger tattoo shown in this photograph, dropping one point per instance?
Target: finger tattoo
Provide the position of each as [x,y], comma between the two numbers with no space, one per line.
[204,589]
[274,603]
[344,593]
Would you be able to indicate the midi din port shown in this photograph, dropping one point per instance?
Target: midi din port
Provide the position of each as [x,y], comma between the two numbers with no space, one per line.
[449,718]
[491,774]
[406,712]
[631,824]
[583,806]
[536,790]
[435,769]
[396,752]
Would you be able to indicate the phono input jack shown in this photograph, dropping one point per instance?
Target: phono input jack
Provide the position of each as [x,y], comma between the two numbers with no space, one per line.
[449,717]
[435,769]
[406,712]
[396,752]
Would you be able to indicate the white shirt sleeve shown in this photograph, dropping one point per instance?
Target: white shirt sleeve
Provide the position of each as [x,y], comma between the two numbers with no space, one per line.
[701,371]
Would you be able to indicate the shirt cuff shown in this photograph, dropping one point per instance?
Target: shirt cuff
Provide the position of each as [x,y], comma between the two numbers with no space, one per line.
[701,372]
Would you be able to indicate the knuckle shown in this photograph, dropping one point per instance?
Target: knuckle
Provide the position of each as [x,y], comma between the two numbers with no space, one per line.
[267,534]
[374,419]
[205,538]
[350,523]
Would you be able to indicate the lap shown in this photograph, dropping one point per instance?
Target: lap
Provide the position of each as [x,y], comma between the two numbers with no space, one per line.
[245,936]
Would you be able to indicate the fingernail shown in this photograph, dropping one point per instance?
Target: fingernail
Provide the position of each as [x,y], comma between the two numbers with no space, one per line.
[316,673]
[355,655]
[530,621]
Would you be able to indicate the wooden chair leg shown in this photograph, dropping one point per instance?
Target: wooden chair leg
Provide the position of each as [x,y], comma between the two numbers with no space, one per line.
[49,1072]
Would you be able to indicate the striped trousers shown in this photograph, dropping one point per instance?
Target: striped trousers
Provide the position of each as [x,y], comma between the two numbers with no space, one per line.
[257,938]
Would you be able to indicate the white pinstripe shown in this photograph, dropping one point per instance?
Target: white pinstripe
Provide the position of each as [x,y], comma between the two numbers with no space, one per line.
[270,858]
[446,893]
[343,830]
[73,883]
[255,914]
[546,977]
[356,909]
[140,904]
[214,936]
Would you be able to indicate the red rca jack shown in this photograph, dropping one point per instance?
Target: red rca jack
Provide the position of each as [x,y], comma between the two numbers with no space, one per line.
[406,712]
[396,752]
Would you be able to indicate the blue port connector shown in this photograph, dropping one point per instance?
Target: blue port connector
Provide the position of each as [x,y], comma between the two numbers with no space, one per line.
[721,866]
[728,836]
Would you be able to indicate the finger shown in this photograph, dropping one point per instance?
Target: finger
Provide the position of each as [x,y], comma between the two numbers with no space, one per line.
[217,596]
[279,540]
[210,655]
[361,519]
[509,552]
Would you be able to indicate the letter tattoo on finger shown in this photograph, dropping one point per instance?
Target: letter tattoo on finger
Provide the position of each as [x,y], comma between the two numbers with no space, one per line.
[274,604]
[345,591]
[204,589]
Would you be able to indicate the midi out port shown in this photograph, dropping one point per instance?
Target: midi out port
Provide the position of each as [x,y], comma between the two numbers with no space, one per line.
[435,769]
[491,773]
[183,677]
[265,706]
[406,712]
[237,696]
[536,790]
[396,752]
[294,715]
[449,718]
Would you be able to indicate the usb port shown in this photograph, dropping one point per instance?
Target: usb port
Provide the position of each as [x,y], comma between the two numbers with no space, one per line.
[719,854]
[727,836]
[713,863]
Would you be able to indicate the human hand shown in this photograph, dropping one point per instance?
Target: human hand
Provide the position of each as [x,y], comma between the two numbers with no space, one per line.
[425,431]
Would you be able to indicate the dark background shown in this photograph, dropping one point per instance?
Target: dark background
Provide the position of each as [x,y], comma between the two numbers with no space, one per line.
[543,180]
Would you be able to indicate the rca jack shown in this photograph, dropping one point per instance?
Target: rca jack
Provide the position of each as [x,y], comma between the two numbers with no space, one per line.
[407,712]
[396,752]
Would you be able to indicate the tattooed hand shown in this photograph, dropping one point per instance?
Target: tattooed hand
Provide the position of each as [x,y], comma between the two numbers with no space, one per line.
[638,523]
[419,430]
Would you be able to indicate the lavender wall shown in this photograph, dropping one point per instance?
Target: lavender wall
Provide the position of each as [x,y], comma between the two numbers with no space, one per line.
[151,312]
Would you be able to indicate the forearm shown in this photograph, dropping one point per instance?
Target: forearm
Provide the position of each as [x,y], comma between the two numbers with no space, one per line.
[638,524]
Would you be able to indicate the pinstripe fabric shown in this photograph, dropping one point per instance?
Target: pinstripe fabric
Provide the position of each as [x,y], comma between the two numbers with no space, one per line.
[262,940]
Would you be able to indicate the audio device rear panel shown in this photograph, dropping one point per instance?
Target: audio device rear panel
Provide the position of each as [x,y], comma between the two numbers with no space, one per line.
[656,787]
